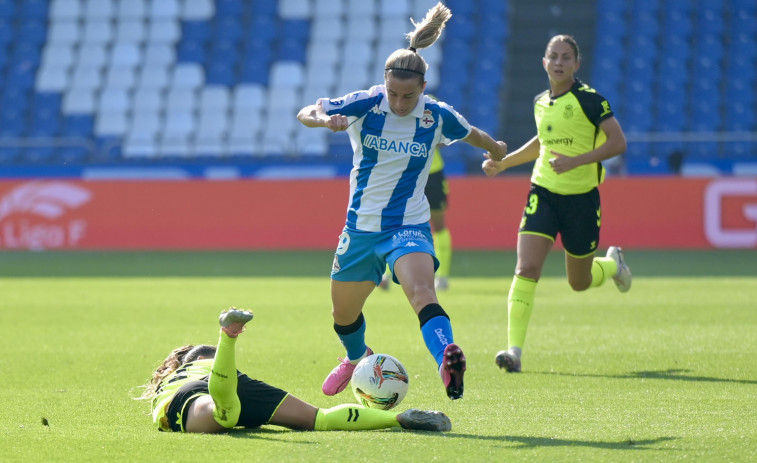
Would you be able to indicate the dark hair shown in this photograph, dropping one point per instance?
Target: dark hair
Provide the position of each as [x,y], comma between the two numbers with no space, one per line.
[203,350]
[406,63]
[175,359]
[567,39]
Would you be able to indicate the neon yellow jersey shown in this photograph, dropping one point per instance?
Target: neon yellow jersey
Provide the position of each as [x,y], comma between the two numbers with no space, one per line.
[569,125]
[188,372]
[437,163]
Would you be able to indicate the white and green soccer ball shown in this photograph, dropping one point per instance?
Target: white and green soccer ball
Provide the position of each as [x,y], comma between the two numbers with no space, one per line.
[380,381]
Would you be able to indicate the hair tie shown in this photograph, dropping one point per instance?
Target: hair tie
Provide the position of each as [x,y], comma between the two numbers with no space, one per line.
[412,49]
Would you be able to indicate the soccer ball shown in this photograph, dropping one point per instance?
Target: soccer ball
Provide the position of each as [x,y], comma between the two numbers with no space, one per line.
[379,381]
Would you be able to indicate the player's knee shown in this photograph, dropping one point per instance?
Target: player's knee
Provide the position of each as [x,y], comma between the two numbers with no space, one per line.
[580,285]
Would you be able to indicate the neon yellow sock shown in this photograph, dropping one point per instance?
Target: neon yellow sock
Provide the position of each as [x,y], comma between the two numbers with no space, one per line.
[443,250]
[520,303]
[602,268]
[352,417]
[223,383]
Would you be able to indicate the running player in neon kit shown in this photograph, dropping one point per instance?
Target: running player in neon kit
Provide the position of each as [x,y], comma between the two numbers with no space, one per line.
[199,389]
[393,129]
[576,130]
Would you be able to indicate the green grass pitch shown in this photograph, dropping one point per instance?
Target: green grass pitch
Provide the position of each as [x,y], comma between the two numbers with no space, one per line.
[666,372]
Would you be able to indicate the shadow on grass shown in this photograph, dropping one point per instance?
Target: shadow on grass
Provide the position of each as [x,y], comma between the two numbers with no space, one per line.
[534,442]
[269,434]
[676,374]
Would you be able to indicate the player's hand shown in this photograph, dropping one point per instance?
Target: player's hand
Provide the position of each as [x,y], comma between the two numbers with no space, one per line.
[492,167]
[337,123]
[500,152]
[561,163]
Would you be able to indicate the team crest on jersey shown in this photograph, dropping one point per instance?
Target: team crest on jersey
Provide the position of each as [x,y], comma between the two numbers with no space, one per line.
[427,120]
[568,113]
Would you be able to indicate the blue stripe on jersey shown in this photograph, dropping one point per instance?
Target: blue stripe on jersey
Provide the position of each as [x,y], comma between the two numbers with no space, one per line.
[395,211]
[349,105]
[452,128]
[372,125]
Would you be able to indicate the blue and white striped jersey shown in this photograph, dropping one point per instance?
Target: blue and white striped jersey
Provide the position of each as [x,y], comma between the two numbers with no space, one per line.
[392,156]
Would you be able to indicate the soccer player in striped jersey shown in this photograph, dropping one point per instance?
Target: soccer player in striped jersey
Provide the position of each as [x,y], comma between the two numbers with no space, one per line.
[394,129]
[199,389]
[576,130]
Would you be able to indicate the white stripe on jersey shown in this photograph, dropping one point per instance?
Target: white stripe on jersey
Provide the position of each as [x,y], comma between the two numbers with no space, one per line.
[392,156]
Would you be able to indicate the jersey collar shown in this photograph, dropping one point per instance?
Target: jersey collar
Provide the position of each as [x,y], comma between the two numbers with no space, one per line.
[416,112]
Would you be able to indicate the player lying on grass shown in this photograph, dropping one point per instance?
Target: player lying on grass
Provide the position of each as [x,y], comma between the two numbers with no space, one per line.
[199,389]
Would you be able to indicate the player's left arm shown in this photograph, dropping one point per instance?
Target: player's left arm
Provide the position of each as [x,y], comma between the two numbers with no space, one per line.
[613,146]
[480,139]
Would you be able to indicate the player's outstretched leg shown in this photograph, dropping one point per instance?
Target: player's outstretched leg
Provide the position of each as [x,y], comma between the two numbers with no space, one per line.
[421,420]
[509,359]
[622,277]
[452,370]
[232,321]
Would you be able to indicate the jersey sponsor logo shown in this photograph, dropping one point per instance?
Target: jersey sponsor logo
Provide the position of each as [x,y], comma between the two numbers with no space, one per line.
[412,148]
[731,195]
[427,121]
[568,112]
[567,141]
[34,216]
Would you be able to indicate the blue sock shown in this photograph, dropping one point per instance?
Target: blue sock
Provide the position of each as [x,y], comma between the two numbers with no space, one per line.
[436,329]
[353,337]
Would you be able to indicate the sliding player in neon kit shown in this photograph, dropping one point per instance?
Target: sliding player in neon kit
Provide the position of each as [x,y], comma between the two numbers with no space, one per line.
[394,129]
[199,389]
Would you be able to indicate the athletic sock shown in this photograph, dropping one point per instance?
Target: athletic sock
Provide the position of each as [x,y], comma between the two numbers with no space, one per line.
[520,303]
[602,268]
[436,330]
[351,417]
[352,337]
[443,250]
[222,383]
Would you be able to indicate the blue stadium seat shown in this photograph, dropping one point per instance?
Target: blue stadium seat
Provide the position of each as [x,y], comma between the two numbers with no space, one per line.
[72,154]
[32,31]
[38,154]
[78,125]
[34,9]
[191,51]
[292,50]
[220,73]
[235,8]
[44,123]
[197,31]
[227,29]
[296,28]
[7,9]
[9,154]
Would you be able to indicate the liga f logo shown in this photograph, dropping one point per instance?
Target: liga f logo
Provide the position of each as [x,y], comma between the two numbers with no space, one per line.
[41,208]
[724,235]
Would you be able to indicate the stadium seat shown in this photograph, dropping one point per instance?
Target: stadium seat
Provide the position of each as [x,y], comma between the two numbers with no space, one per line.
[181,99]
[197,10]
[69,10]
[102,10]
[52,79]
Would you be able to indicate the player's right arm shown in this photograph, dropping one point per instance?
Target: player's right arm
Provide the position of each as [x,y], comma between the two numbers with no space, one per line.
[314,116]
[526,153]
